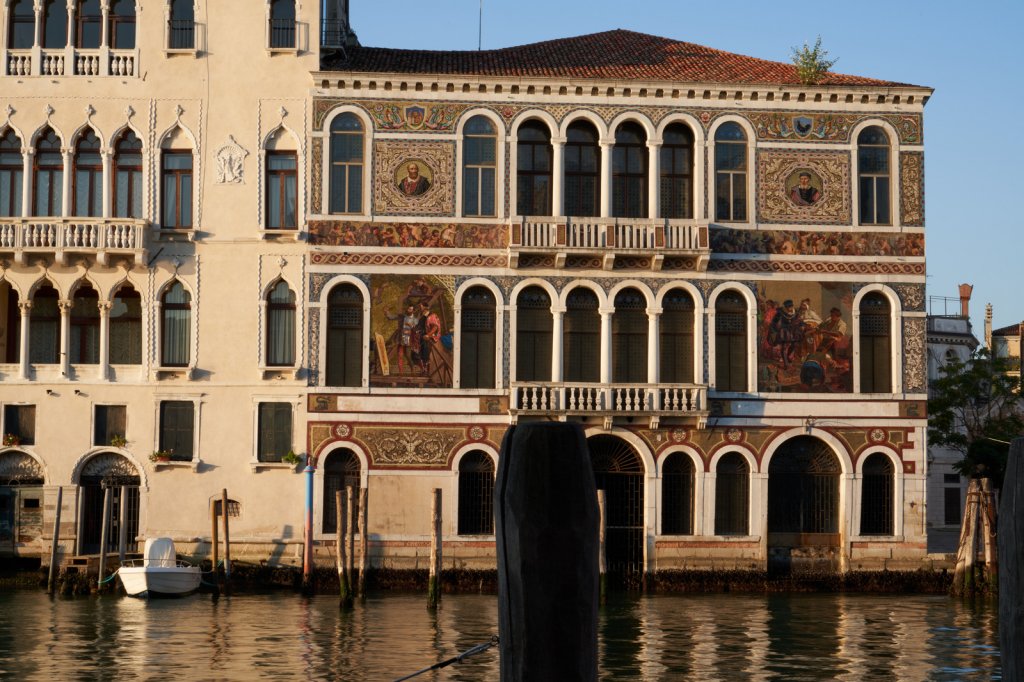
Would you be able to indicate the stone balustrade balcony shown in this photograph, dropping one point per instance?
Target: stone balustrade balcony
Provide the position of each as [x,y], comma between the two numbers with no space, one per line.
[71,61]
[653,401]
[58,237]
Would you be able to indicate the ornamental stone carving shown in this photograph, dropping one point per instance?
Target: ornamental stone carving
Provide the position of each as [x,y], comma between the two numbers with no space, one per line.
[231,162]
[914,359]
[20,467]
[410,446]
[112,468]
[912,188]
[912,296]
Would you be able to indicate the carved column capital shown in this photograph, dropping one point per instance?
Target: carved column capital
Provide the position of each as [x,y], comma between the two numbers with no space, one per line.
[65,305]
[25,307]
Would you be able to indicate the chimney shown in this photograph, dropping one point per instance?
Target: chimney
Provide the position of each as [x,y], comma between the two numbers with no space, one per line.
[988,325]
[965,300]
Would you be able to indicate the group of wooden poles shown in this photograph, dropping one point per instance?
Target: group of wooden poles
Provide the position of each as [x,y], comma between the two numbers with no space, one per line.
[978,532]
[345,503]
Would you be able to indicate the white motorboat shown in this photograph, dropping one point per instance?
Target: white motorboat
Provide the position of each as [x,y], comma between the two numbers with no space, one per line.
[159,573]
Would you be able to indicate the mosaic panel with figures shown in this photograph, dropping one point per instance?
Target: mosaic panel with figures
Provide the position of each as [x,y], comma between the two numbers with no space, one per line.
[804,187]
[414,178]
[409,235]
[817,243]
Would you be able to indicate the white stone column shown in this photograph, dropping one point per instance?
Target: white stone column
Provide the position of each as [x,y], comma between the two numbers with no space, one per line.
[557,176]
[69,47]
[605,186]
[653,354]
[699,187]
[66,199]
[456,347]
[654,179]
[37,44]
[25,307]
[65,336]
[606,345]
[108,185]
[27,181]
[104,307]
[557,331]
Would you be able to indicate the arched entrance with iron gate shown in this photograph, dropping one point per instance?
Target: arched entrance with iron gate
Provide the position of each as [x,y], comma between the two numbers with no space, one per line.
[21,500]
[619,471]
[803,507]
[102,472]
[341,471]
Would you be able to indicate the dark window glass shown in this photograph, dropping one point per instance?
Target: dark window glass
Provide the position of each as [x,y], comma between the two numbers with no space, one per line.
[677,495]
[122,24]
[55,24]
[346,167]
[177,424]
[90,24]
[20,422]
[181,29]
[126,327]
[282,190]
[176,197]
[534,160]
[44,327]
[582,336]
[85,327]
[22,25]
[731,342]
[629,338]
[676,342]
[10,335]
[282,23]
[629,172]
[127,182]
[176,334]
[341,472]
[275,431]
[281,326]
[803,488]
[873,176]
[582,171]
[110,422]
[876,504]
[11,174]
[732,495]
[476,494]
[534,327]
[676,170]
[479,159]
[478,338]
[730,173]
[875,344]
[48,185]
[345,336]
[87,191]
[951,509]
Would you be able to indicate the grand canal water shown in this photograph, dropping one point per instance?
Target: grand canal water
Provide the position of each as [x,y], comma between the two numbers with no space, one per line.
[663,637]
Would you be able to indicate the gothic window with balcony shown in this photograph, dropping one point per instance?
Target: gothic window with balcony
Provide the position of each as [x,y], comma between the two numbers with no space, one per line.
[84,340]
[11,172]
[89,24]
[534,328]
[127,176]
[44,327]
[534,159]
[876,501]
[346,170]
[282,190]
[676,170]
[177,429]
[477,342]
[476,494]
[875,344]
[282,24]
[629,171]
[21,25]
[629,338]
[676,338]
[281,326]
[582,171]
[873,176]
[677,484]
[730,173]
[274,431]
[175,326]
[731,342]
[176,189]
[87,189]
[122,24]
[582,337]
[345,336]
[732,495]
[55,24]
[48,175]
[181,27]
[479,167]
[126,327]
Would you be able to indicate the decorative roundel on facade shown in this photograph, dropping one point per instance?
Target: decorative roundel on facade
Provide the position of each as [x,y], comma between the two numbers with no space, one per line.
[678,435]
[342,431]
[476,432]
[877,436]
[734,435]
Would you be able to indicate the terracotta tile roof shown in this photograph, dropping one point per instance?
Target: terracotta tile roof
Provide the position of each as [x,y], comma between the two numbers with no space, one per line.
[1011,330]
[618,54]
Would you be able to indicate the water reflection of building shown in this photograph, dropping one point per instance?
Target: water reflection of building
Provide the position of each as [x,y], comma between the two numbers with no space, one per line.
[613,244]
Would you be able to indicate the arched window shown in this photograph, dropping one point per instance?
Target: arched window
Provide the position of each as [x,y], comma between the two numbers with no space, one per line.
[44,327]
[48,175]
[176,326]
[479,163]
[181,29]
[476,494]
[55,24]
[629,338]
[341,471]
[676,338]
[629,171]
[346,190]
[875,344]
[876,501]
[730,173]
[677,172]
[122,24]
[873,176]
[534,326]
[534,158]
[731,342]
[176,194]
[677,480]
[11,170]
[10,333]
[127,184]
[281,326]
[477,341]
[85,327]
[87,190]
[582,171]
[126,327]
[282,200]
[89,20]
[582,337]
[732,495]
[282,24]
[22,26]
[803,488]
[345,336]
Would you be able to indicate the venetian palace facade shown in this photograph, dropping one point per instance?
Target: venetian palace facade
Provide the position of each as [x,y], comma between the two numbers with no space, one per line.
[228,232]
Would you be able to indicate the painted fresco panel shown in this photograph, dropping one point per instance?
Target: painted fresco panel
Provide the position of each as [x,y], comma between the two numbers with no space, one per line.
[412,322]
[804,342]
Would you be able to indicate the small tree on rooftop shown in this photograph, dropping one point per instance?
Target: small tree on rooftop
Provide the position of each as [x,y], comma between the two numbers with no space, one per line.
[812,63]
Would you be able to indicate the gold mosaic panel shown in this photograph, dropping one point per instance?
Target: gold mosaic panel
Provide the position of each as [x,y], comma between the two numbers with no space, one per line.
[436,164]
[778,173]
[912,188]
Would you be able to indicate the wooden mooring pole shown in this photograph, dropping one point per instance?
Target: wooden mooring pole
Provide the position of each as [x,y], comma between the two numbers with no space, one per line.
[1011,566]
[104,536]
[602,558]
[227,537]
[350,537]
[434,583]
[214,540]
[364,543]
[50,581]
[344,589]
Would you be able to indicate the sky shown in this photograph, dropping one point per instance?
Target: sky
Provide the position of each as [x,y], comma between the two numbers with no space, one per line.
[970,53]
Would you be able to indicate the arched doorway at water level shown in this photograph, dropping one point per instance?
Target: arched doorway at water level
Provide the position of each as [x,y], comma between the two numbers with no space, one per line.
[109,471]
[619,472]
[21,500]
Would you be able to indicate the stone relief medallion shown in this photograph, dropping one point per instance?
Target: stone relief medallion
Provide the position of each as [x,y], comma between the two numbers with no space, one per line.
[678,435]
[414,178]
[476,433]
[804,187]
[877,435]
[342,431]
[231,162]
[734,435]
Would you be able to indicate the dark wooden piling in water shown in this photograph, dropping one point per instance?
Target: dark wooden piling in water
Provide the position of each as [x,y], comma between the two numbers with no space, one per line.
[364,543]
[602,557]
[50,584]
[214,540]
[434,583]
[227,537]
[547,527]
[344,588]
[1011,578]
[122,526]
[350,537]
[104,537]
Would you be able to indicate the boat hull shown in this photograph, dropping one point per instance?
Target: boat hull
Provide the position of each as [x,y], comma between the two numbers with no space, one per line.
[158,581]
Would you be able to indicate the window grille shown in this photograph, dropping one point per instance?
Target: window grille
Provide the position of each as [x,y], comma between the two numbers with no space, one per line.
[341,471]
[876,504]
[345,336]
[677,479]
[619,472]
[803,488]
[732,495]
[476,494]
